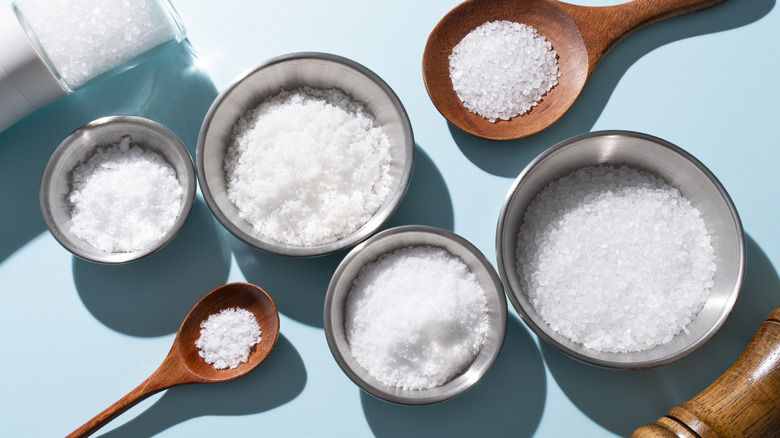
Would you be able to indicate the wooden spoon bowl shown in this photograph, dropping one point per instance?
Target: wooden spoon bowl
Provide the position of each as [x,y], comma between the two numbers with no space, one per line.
[184,365]
[580,35]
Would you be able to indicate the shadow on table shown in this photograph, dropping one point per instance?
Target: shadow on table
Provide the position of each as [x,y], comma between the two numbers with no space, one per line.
[275,382]
[167,88]
[508,158]
[622,401]
[151,296]
[508,401]
[298,285]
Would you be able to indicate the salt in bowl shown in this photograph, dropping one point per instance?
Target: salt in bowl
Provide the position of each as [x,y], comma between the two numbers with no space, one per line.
[288,72]
[78,147]
[680,170]
[386,242]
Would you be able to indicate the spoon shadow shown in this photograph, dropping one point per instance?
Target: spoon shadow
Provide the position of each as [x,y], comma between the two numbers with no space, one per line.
[508,401]
[167,88]
[508,158]
[621,401]
[278,380]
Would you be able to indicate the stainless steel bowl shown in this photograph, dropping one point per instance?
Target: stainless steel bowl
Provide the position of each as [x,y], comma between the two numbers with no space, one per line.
[388,241]
[78,147]
[676,167]
[318,70]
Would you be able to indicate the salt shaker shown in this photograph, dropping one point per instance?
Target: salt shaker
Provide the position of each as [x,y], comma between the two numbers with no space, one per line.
[49,49]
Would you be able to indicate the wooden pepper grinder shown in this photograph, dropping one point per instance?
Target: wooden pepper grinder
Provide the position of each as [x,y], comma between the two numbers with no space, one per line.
[744,402]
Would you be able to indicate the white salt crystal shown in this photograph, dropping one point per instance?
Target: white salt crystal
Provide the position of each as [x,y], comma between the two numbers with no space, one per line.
[124,198]
[86,38]
[226,338]
[416,318]
[615,259]
[502,69]
[308,166]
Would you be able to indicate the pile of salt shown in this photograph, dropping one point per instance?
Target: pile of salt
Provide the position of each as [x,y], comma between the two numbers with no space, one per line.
[416,318]
[124,198]
[502,69]
[226,338]
[615,259]
[308,166]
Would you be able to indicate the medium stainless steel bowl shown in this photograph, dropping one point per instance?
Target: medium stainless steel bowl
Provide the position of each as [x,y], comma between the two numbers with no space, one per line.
[318,70]
[78,147]
[386,242]
[679,169]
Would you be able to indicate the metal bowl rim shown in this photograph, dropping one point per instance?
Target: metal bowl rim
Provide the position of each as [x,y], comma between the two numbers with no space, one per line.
[539,331]
[303,251]
[416,397]
[188,184]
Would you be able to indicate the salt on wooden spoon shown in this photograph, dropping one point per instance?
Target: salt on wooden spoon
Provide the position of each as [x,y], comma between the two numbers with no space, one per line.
[581,36]
[184,365]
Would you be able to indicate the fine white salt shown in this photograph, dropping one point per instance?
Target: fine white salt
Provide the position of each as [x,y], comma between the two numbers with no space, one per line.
[502,69]
[308,166]
[86,38]
[615,258]
[124,198]
[416,318]
[226,338]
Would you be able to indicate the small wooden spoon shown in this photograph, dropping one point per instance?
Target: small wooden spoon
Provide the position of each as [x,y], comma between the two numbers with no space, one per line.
[184,365]
[581,36]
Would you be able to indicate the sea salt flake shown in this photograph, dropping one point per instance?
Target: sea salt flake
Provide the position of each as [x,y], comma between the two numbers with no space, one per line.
[226,338]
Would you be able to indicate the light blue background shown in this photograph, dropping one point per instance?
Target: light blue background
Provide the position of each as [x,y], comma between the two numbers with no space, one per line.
[77,336]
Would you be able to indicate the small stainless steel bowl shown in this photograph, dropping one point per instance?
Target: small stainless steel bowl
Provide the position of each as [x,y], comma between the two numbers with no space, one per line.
[679,169]
[318,70]
[386,242]
[78,147]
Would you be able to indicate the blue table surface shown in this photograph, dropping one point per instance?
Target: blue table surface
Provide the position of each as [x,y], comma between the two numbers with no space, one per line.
[77,336]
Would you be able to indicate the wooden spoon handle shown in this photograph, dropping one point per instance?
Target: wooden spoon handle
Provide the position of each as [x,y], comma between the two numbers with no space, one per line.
[170,373]
[743,402]
[144,390]
[603,27]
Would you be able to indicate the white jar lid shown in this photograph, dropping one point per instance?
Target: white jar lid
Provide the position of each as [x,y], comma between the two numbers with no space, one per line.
[26,82]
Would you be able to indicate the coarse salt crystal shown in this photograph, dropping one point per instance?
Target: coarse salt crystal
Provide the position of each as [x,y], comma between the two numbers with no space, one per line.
[501,69]
[615,258]
[308,166]
[124,198]
[226,338]
[416,318]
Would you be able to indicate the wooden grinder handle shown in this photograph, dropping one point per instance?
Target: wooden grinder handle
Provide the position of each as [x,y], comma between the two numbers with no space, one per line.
[743,402]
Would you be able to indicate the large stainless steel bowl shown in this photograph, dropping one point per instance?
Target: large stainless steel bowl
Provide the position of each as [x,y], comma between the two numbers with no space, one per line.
[386,242]
[318,70]
[679,169]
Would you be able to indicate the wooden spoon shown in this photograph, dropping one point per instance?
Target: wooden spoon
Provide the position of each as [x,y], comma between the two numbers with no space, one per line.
[581,36]
[184,365]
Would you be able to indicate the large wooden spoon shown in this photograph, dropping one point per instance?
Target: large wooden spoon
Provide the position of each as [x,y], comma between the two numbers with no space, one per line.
[581,36]
[184,365]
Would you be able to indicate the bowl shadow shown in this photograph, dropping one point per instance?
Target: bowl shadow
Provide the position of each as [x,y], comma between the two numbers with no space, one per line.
[167,88]
[508,401]
[622,401]
[507,158]
[278,380]
[298,285]
[152,296]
